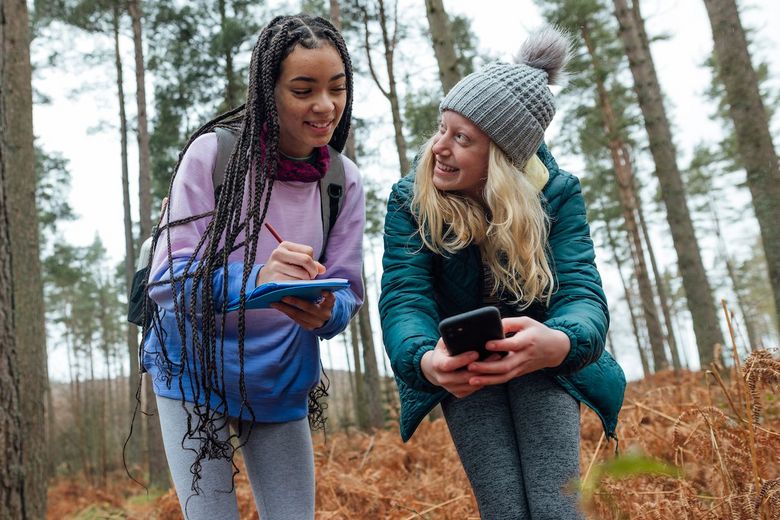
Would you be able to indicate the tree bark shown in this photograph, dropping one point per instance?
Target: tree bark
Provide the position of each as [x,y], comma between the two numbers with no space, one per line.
[350,378]
[443,44]
[373,391]
[22,333]
[335,14]
[697,288]
[389,42]
[232,91]
[627,294]
[360,401]
[662,296]
[155,456]
[627,198]
[144,168]
[751,122]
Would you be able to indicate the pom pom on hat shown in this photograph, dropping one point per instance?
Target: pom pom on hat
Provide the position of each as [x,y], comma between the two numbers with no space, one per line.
[548,49]
[511,102]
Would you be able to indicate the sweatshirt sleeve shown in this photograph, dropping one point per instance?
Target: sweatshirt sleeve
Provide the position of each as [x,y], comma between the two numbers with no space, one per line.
[345,253]
[578,307]
[192,195]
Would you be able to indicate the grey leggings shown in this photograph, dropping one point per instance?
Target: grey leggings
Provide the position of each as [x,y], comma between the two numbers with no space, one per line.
[279,461]
[519,445]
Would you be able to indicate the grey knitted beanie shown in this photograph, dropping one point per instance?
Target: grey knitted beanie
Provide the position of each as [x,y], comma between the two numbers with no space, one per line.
[511,102]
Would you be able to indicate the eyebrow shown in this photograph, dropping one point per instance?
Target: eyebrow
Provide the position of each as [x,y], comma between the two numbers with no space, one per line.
[308,79]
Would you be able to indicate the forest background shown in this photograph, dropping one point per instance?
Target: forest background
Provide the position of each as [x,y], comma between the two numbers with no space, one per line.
[680,183]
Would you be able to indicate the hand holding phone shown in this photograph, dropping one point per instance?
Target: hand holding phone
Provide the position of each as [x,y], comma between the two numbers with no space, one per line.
[471,330]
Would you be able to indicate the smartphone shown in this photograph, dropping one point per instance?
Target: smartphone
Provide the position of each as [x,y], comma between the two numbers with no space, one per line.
[471,330]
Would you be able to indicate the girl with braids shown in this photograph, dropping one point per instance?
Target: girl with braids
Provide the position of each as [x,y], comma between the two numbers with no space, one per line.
[488,218]
[247,378]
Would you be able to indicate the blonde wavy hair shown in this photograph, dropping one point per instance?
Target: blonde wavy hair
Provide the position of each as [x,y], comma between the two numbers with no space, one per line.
[511,229]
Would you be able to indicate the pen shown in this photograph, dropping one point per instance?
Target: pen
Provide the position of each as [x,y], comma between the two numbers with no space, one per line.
[273,232]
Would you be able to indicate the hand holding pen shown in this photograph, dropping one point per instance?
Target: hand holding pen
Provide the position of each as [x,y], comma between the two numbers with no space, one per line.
[289,261]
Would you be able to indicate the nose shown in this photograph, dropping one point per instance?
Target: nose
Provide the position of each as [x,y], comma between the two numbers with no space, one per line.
[439,145]
[324,104]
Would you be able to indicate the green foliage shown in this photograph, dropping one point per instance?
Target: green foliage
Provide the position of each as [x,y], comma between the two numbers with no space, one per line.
[757,292]
[421,115]
[83,297]
[188,57]
[103,511]
[598,59]
[315,8]
[421,107]
[51,193]
[465,44]
[622,467]
[376,207]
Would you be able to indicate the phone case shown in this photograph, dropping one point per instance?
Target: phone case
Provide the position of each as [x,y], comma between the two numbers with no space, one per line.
[471,330]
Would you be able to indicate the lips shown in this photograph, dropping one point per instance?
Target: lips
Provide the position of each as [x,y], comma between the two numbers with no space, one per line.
[320,126]
[445,168]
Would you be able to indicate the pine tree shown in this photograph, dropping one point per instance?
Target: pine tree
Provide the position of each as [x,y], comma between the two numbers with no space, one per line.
[751,127]
[603,124]
[22,334]
[697,287]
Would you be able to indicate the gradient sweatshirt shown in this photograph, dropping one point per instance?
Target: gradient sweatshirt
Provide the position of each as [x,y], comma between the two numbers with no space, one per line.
[281,359]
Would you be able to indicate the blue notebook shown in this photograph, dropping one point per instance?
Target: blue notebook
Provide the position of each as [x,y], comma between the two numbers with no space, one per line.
[271,292]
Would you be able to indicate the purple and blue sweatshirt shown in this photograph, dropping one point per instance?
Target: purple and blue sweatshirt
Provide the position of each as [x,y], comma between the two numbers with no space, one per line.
[281,359]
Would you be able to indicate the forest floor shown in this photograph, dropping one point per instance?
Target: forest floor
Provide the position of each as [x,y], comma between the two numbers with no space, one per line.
[691,447]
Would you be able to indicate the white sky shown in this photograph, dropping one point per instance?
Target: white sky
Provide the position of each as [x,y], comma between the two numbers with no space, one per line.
[67,124]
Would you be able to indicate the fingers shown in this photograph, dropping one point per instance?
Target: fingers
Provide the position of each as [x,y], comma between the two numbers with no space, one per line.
[449,363]
[484,380]
[309,315]
[517,324]
[497,366]
[300,255]
[291,261]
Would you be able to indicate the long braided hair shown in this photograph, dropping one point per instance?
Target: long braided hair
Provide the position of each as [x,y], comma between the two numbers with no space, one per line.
[255,121]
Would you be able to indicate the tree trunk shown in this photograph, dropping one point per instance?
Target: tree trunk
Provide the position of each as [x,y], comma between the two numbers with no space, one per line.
[627,294]
[132,331]
[232,88]
[155,452]
[350,377]
[697,287]
[373,391]
[662,296]
[144,168]
[754,341]
[361,406]
[335,14]
[751,122]
[624,177]
[22,332]
[389,42]
[443,44]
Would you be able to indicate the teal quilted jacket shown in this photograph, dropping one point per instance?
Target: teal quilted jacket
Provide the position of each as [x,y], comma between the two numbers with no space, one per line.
[419,288]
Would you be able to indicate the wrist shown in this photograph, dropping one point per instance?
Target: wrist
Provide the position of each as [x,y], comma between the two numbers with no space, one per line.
[561,349]
[426,367]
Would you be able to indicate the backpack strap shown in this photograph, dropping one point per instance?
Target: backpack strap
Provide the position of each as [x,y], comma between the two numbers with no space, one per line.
[226,141]
[332,184]
[331,195]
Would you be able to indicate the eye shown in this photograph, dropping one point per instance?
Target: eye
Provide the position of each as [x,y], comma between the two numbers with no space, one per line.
[339,88]
[462,138]
[442,128]
[301,91]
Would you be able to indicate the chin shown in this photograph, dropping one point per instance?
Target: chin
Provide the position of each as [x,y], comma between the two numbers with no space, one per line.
[442,186]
